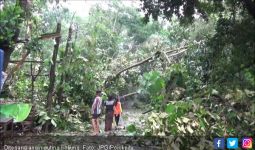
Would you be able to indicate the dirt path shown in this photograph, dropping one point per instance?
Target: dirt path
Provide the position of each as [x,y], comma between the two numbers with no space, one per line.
[129,117]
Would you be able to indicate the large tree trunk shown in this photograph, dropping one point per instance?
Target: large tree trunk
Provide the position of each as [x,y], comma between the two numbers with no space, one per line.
[52,70]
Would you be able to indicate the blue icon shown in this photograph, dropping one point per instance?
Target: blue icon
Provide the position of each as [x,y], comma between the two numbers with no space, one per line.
[232,143]
[219,143]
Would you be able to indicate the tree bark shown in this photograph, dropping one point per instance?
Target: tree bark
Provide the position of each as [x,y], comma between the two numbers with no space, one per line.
[52,70]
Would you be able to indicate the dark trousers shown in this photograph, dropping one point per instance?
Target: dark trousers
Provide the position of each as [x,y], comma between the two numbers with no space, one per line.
[108,120]
[117,119]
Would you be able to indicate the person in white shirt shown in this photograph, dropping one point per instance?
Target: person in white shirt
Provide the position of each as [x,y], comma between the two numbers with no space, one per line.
[96,111]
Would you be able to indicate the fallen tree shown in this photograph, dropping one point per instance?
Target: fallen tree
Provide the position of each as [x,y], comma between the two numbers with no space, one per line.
[156,55]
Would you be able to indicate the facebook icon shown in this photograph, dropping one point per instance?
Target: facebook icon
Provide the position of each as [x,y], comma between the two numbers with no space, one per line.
[219,143]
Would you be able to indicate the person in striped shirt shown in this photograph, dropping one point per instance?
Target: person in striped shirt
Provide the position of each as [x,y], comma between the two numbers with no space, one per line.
[96,111]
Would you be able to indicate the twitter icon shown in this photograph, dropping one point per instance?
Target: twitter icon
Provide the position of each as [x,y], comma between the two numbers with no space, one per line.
[232,143]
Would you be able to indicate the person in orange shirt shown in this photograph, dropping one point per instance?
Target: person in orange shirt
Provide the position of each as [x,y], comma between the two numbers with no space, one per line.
[117,110]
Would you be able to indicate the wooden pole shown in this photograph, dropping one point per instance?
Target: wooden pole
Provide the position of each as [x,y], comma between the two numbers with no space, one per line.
[52,70]
[32,82]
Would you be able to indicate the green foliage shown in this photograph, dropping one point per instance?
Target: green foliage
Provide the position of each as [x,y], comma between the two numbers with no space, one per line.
[102,34]
[43,118]
[10,19]
[177,72]
[131,128]
[177,109]
[185,118]
[187,10]
[19,89]
[232,50]
[61,118]
[152,84]
[80,87]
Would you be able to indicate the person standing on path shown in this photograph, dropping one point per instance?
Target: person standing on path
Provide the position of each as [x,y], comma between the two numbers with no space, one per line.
[96,111]
[109,104]
[118,110]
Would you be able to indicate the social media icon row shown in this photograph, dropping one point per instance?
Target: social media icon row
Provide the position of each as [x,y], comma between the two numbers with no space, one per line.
[232,143]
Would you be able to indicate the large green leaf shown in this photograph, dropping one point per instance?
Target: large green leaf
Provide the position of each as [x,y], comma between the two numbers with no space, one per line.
[131,128]
[170,109]
[18,111]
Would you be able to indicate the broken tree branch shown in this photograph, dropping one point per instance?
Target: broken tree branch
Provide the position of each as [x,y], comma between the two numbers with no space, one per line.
[175,54]
[151,58]
[130,94]
[28,61]
[148,111]
[177,49]
[132,66]
[42,37]
[49,36]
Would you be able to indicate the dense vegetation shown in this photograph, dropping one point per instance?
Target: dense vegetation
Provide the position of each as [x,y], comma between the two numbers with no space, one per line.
[195,69]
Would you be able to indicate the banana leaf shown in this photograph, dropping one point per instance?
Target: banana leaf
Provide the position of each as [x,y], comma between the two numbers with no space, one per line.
[18,111]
